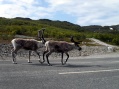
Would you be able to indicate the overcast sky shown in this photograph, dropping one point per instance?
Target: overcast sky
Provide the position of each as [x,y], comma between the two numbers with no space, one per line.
[81,12]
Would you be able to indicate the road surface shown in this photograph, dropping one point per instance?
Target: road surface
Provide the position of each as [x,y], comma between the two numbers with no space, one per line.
[85,73]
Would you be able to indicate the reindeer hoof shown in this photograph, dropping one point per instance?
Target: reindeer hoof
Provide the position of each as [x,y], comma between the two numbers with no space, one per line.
[64,63]
[49,65]
[41,62]
[29,62]
[14,63]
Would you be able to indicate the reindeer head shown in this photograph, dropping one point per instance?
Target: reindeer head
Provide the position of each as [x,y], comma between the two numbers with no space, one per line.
[76,43]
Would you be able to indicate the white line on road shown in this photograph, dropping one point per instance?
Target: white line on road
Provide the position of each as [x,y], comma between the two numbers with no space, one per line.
[84,72]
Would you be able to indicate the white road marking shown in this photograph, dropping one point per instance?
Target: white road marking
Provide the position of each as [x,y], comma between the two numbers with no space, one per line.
[84,72]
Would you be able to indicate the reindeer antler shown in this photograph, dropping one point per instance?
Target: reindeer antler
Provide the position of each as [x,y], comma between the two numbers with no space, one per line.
[40,33]
[42,36]
[72,40]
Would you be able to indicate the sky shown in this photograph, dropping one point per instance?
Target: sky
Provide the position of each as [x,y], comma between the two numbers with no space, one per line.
[81,12]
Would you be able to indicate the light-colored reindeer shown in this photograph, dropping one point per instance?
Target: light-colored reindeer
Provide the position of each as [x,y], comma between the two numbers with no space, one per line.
[27,44]
[60,47]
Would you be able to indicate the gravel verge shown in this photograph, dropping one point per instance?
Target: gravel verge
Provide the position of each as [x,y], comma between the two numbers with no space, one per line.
[105,50]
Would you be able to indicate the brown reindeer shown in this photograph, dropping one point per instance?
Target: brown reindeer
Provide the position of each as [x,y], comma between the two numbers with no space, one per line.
[27,44]
[60,47]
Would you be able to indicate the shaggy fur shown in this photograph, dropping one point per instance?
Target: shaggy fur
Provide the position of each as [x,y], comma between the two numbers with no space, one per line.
[60,47]
[27,44]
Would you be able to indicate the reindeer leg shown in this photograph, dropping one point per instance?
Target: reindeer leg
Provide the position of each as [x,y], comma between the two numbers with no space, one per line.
[29,57]
[67,57]
[44,55]
[39,56]
[14,56]
[47,55]
[62,59]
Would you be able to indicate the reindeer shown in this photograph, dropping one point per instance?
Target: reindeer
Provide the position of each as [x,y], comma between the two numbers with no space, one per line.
[27,44]
[60,47]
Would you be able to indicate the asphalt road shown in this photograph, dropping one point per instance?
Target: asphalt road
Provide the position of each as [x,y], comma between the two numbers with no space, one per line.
[93,73]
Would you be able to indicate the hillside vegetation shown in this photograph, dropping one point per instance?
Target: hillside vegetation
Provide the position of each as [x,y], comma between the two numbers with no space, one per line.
[57,30]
